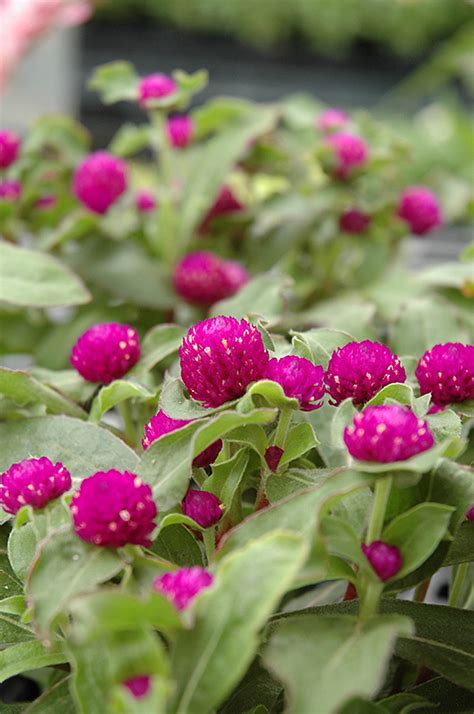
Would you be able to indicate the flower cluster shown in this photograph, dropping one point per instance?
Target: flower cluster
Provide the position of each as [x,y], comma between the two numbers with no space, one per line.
[300,379]
[203,278]
[349,152]
[33,482]
[106,352]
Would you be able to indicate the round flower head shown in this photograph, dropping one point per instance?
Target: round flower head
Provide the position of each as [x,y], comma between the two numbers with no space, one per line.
[202,507]
[470,514]
[182,586]
[385,559]
[10,191]
[105,352]
[360,369]
[220,357]
[180,131]
[144,201]
[9,148]
[113,508]
[354,221]
[204,278]
[33,482]
[225,204]
[419,207]
[99,181]
[299,378]
[350,152]
[384,434]
[332,120]
[138,686]
[447,371]
[162,424]
[155,86]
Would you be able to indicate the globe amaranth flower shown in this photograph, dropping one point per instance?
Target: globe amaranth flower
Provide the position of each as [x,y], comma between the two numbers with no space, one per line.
[354,221]
[360,369]
[470,513]
[182,586]
[138,686]
[144,201]
[447,372]
[219,358]
[10,191]
[419,207]
[300,379]
[225,204]
[33,482]
[113,508]
[384,434]
[204,278]
[203,507]
[99,181]
[273,456]
[385,559]
[162,424]
[105,352]
[9,148]
[350,152]
[180,131]
[155,86]
[332,120]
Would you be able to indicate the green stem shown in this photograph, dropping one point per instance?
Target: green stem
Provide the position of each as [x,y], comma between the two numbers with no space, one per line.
[421,590]
[459,576]
[282,427]
[209,538]
[162,148]
[128,424]
[383,486]
[370,600]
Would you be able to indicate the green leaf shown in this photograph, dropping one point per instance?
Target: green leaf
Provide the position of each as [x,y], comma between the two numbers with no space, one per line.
[177,405]
[215,113]
[426,322]
[160,342]
[225,637]
[462,547]
[330,660]
[13,631]
[115,82]
[177,545]
[323,342]
[74,567]
[294,480]
[115,393]
[75,225]
[445,695]
[28,655]
[445,425]
[32,279]
[401,393]
[301,439]
[24,389]
[67,381]
[341,540]
[263,296]
[227,477]
[54,700]
[59,133]
[256,686]
[417,533]
[265,393]
[83,448]
[130,139]
[420,463]
[452,484]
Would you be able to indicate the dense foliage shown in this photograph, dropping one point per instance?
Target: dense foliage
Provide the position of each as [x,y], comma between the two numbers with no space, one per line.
[244,427]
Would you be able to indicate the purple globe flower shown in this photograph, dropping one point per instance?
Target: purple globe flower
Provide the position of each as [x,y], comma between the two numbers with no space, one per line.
[99,181]
[300,379]
[273,456]
[447,371]
[385,559]
[183,586]
[359,370]
[144,201]
[354,221]
[33,482]
[105,352]
[470,514]
[219,358]
[350,152]
[138,686]
[203,507]
[204,278]
[162,424]
[113,508]
[9,148]
[419,207]
[225,204]
[180,131]
[332,120]
[155,86]
[387,433]
[10,191]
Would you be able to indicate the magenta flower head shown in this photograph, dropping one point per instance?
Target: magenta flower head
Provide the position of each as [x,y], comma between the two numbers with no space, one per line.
[155,86]
[138,686]
[106,352]
[225,204]
[332,120]
[162,424]
[44,203]
[419,207]
[204,278]
[99,181]
[470,514]
[300,379]
[350,152]
[354,221]
[385,559]
[203,507]
[384,434]
[182,586]
[33,482]
[144,201]
[10,191]
[360,369]
[9,148]
[113,508]
[219,358]
[447,371]
[180,131]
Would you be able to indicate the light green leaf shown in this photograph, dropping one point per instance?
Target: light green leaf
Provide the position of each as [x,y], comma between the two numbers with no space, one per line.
[67,381]
[265,393]
[426,322]
[24,389]
[54,700]
[160,342]
[401,393]
[28,655]
[462,547]
[452,484]
[301,439]
[115,82]
[115,393]
[130,139]
[263,296]
[227,477]
[177,545]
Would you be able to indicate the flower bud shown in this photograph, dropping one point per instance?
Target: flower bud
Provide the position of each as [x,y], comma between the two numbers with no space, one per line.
[183,586]
[203,507]
[385,559]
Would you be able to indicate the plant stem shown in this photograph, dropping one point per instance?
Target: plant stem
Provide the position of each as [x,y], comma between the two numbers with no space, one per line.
[459,576]
[421,590]
[129,426]
[370,600]
[282,427]
[209,538]
[377,516]
[162,148]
